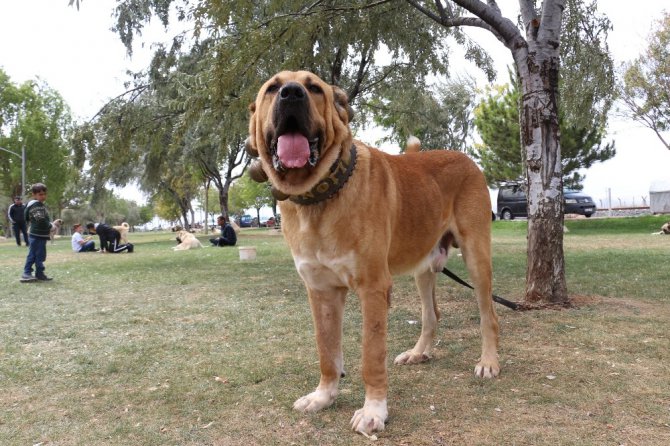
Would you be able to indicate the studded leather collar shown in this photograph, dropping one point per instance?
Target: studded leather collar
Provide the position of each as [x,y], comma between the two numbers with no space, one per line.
[338,175]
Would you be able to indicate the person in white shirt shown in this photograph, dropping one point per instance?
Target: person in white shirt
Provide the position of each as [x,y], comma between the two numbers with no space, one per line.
[79,243]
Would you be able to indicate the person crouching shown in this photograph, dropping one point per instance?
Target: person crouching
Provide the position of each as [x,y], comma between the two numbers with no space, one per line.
[110,238]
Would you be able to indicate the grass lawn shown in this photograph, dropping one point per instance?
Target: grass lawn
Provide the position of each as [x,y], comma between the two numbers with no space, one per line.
[198,348]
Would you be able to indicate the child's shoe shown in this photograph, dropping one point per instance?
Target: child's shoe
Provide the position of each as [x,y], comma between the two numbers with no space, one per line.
[25,278]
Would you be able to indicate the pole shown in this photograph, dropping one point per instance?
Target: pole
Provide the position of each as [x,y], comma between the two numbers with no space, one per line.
[23,169]
[609,200]
[206,207]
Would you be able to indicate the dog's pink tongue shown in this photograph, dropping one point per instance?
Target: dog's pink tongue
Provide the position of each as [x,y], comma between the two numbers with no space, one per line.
[293,150]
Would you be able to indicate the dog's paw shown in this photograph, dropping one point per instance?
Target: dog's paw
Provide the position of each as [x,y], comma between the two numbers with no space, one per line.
[315,401]
[408,358]
[487,369]
[371,417]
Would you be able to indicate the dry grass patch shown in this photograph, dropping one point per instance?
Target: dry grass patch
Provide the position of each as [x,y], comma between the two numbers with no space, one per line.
[196,347]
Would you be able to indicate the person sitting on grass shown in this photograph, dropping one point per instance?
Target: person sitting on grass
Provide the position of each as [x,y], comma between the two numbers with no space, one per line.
[79,243]
[228,236]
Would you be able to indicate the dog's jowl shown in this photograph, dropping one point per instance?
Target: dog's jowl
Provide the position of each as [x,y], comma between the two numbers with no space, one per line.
[354,217]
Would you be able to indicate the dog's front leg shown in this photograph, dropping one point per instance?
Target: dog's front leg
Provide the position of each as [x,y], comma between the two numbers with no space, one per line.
[374,413]
[327,310]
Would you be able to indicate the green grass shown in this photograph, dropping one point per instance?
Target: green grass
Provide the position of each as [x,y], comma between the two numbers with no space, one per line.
[196,347]
[592,226]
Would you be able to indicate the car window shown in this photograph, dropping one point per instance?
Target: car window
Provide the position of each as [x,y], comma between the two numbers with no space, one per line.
[512,193]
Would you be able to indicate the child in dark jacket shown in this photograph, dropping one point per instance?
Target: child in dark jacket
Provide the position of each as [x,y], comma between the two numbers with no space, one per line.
[39,226]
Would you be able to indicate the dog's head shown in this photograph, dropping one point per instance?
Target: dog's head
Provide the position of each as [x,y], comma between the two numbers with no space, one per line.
[57,222]
[182,235]
[299,125]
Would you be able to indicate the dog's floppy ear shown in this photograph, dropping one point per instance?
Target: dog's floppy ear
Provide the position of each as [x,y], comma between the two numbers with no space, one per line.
[250,143]
[344,110]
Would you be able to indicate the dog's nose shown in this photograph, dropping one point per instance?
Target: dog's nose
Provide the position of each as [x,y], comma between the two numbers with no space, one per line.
[292,92]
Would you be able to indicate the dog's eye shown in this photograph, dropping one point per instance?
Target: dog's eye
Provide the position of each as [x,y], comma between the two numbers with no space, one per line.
[272,88]
[315,89]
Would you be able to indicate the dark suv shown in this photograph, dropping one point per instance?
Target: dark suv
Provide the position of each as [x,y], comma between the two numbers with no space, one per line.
[512,202]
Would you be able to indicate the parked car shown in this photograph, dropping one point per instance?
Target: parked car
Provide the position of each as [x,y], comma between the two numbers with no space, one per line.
[577,202]
[245,221]
[512,202]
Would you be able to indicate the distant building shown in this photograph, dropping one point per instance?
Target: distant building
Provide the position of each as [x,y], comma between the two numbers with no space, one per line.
[659,197]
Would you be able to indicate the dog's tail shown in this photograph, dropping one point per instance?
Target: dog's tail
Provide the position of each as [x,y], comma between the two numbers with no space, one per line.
[413,145]
[125,225]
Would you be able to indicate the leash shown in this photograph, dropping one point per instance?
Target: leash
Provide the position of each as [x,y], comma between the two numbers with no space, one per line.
[508,303]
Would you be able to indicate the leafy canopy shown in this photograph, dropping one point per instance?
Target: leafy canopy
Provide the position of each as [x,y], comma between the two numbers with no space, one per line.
[645,90]
[500,154]
[35,117]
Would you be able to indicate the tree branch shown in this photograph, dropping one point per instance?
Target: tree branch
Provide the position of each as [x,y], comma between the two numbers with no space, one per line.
[528,15]
[139,89]
[550,27]
[639,115]
[487,16]
[502,27]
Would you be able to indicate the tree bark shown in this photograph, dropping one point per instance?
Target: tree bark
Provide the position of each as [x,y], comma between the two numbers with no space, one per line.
[538,64]
[537,60]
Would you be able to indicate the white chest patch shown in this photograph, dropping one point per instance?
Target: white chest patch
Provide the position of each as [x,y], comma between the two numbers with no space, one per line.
[324,271]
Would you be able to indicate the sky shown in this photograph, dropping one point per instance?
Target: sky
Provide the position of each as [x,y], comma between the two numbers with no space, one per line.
[78,55]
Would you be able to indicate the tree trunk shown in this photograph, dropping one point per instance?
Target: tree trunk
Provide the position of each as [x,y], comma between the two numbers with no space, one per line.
[536,58]
[540,137]
[223,199]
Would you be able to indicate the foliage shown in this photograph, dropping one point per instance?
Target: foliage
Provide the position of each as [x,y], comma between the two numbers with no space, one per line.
[645,90]
[587,82]
[213,207]
[497,120]
[34,116]
[166,207]
[247,193]
[365,49]
[440,119]
[500,154]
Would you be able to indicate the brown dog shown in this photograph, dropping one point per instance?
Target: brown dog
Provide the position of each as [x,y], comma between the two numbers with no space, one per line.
[355,216]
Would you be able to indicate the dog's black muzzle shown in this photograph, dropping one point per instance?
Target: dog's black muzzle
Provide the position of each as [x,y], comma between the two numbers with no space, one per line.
[291,114]
[291,110]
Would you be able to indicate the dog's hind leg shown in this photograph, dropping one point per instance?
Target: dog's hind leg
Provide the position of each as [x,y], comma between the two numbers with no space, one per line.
[476,249]
[425,282]
[327,311]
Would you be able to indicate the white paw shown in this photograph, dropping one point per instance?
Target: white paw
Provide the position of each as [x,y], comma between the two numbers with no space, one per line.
[487,369]
[371,417]
[315,401]
[409,357]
